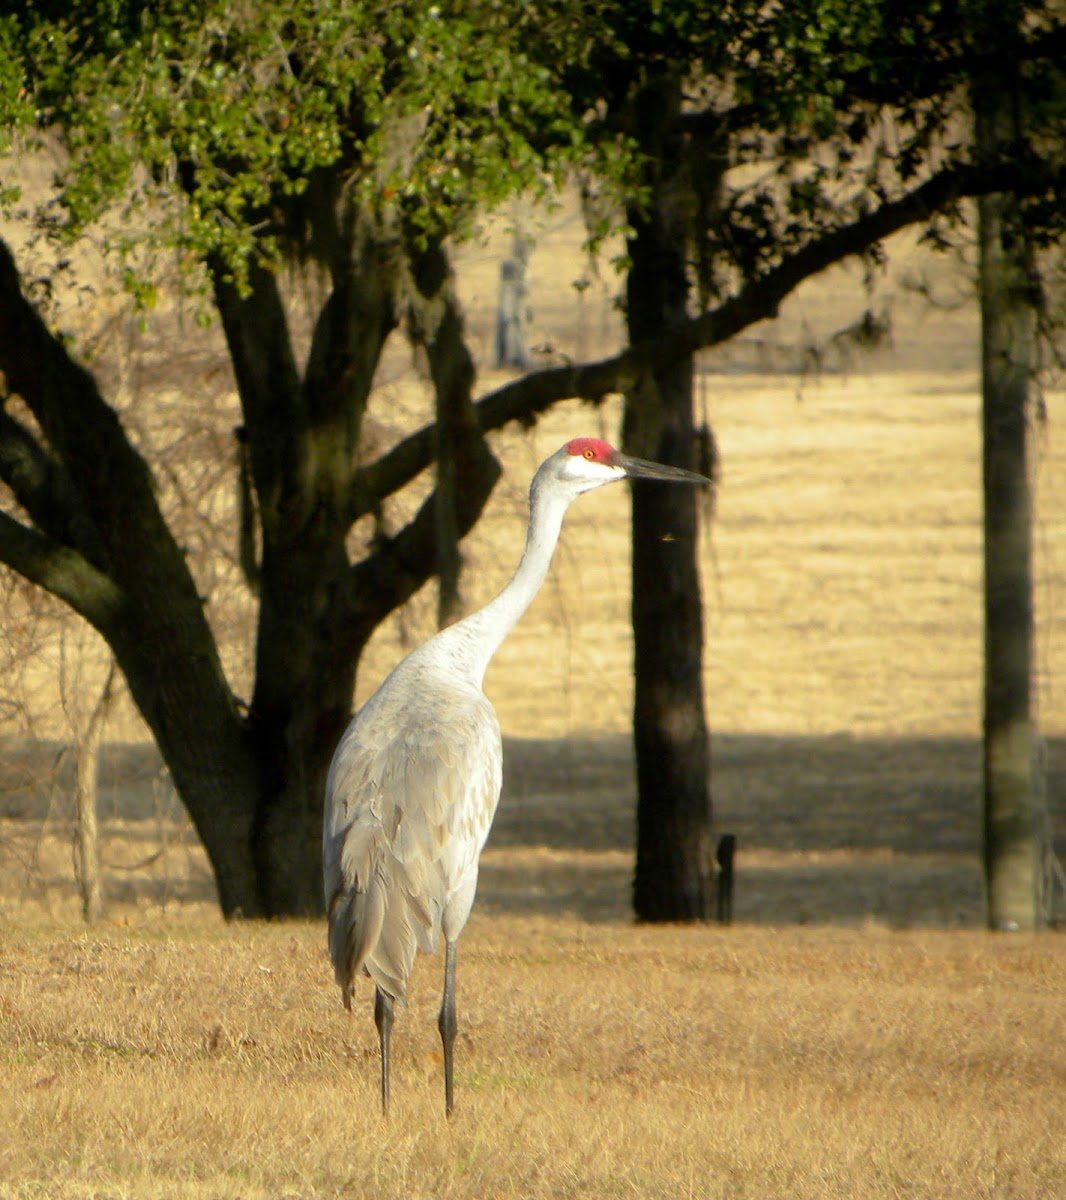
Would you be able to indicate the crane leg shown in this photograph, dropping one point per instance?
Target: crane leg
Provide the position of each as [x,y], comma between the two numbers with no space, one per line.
[383,1020]
[446,1023]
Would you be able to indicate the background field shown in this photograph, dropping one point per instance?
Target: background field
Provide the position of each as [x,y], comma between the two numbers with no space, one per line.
[853,1034]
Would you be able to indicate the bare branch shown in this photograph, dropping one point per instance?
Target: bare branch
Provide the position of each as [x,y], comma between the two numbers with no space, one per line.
[401,565]
[63,572]
[44,489]
[525,399]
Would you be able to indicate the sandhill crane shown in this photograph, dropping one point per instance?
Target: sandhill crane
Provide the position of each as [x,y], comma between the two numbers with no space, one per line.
[415,779]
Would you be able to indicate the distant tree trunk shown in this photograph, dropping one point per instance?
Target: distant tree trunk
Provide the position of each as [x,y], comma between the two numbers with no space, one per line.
[672,880]
[1013,825]
[86,771]
[510,346]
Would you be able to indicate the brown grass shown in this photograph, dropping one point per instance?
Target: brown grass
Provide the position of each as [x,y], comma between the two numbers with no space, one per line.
[188,1059]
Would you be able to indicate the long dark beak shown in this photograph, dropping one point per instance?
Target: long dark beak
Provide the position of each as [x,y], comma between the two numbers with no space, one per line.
[641,468]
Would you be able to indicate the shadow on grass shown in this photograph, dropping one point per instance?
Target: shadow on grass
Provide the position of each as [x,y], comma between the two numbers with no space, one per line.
[779,889]
[908,795]
[836,829]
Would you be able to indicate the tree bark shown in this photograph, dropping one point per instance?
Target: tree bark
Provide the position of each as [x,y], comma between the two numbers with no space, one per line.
[1013,825]
[671,741]
[317,611]
[435,321]
[303,437]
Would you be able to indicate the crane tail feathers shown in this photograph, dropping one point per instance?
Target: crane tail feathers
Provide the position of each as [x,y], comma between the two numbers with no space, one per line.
[356,916]
[367,933]
[391,959]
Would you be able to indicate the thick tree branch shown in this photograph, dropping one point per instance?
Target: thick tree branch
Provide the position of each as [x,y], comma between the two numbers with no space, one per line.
[435,322]
[63,572]
[45,491]
[761,298]
[354,323]
[107,479]
[268,382]
[81,429]
[522,400]
[392,574]
[147,606]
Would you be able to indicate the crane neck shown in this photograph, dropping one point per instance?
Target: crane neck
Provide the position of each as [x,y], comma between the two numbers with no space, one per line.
[473,641]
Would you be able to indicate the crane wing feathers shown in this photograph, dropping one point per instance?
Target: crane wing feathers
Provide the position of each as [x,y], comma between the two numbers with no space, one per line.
[409,803]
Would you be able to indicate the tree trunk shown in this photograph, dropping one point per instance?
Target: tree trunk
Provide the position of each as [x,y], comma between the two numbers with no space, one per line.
[669,725]
[317,611]
[1013,824]
[672,881]
[303,436]
[435,322]
[509,349]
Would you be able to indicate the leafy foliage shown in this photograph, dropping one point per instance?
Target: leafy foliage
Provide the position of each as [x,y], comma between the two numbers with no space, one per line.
[796,119]
[425,112]
[429,113]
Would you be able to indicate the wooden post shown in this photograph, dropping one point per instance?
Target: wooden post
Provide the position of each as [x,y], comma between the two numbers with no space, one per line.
[727,848]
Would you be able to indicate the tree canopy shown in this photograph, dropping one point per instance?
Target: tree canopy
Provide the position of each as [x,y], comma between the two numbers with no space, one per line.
[423,114]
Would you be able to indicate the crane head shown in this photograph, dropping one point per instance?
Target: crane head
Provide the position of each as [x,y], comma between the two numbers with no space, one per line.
[587,463]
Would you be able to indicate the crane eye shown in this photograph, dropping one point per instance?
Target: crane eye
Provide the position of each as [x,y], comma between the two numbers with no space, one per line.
[590,454]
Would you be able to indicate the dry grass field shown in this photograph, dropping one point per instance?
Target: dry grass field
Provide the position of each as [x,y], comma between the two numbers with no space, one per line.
[185,1059]
[853,1034]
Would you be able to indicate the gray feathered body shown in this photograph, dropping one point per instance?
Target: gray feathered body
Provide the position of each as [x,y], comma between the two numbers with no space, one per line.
[409,803]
